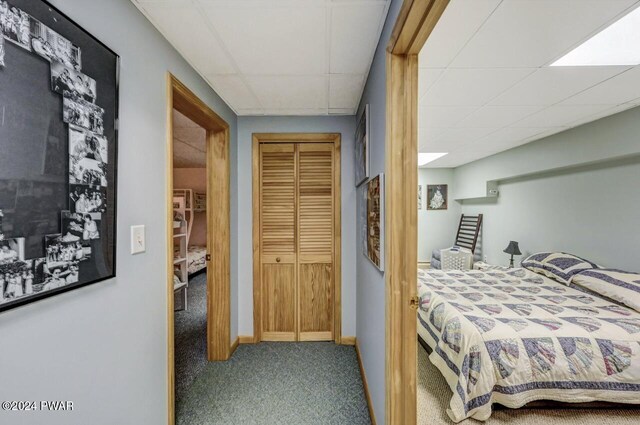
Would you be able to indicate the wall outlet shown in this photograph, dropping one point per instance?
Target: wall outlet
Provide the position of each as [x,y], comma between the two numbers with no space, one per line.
[485,259]
[138,243]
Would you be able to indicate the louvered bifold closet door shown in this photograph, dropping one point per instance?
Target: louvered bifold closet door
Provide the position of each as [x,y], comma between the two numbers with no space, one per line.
[278,241]
[315,241]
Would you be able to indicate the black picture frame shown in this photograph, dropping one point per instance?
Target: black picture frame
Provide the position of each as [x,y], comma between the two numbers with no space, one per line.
[362,153]
[437,197]
[68,43]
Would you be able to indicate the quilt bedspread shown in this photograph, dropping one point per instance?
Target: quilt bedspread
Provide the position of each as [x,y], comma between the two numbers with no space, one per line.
[512,336]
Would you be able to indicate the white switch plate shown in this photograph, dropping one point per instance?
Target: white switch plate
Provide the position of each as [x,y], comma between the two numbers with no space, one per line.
[138,243]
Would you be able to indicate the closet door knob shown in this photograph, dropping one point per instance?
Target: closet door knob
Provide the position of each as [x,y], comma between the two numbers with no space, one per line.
[277,259]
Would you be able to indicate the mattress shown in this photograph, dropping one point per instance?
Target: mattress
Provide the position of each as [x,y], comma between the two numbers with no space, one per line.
[196,258]
[511,337]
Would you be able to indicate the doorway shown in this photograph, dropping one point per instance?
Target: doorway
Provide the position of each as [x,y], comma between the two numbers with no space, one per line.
[296,237]
[415,22]
[217,218]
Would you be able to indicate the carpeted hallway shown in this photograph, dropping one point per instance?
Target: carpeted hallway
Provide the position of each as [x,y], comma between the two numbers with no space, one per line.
[434,396]
[267,383]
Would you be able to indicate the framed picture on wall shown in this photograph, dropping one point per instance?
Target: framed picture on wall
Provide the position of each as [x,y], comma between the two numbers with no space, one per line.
[420,197]
[375,221]
[362,147]
[58,156]
[437,197]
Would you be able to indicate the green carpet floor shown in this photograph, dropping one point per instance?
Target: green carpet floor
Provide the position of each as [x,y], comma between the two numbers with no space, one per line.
[266,383]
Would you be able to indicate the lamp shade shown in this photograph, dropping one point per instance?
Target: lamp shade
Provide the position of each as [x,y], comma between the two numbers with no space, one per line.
[513,248]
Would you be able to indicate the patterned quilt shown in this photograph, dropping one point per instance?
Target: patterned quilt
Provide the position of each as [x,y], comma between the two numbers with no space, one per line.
[512,336]
[196,258]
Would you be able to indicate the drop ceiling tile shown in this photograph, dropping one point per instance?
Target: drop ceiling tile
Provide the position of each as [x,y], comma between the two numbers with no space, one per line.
[602,114]
[360,24]
[511,136]
[547,86]
[345,90]
[460,20]
[622,88]
[234,91]
[250,112]
[190,35]
[426,78]
[498,116]
[472,87]
[341,111]
[296,111]
[268,40]
[536,32]
[181,121]
[290,92]
[195,136]
[429,134]
[559,115]
[443,116]
[463,135]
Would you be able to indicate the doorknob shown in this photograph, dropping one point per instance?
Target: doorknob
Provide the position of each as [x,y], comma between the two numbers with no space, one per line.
[277,259]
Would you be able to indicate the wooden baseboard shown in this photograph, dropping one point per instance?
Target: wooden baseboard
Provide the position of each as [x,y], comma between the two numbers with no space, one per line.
[234,346]
[348,340]
[364,384]
[247,339]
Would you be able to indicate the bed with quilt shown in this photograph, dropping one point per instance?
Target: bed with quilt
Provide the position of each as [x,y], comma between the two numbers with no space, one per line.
[512,336]
[196,258]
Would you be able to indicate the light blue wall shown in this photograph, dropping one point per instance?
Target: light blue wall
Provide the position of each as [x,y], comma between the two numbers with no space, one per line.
[436,228]
[612,137]
[104,346]
[327,124]
[371,286]
[590,210]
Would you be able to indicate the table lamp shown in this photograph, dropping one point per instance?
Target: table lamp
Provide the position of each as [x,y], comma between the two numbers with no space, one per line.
[513,250]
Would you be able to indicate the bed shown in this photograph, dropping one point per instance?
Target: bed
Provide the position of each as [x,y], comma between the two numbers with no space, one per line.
[512,336]
[196,258]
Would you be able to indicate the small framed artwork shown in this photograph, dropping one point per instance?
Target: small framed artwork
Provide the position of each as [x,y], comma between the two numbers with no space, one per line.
[437,197]
[420,197]
[59,155]
[375,221]
[362,147]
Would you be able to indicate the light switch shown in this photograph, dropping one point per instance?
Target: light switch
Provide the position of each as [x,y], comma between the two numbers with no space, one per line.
[137,239]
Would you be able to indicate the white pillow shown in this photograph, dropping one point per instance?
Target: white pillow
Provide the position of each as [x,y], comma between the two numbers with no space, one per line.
[559,266]
[616,284]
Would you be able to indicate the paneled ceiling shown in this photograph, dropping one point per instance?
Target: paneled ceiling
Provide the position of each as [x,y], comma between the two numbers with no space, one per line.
[485,82]
[276,57]
[189,143]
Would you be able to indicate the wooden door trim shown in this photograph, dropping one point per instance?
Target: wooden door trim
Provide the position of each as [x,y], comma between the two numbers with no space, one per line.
[415,22]
[257,139]
[219,344]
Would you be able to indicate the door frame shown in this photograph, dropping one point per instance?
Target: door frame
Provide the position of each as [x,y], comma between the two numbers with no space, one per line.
[219,346]
[334,138]
[415,22]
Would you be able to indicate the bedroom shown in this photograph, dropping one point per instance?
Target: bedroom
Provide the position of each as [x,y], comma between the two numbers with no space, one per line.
[528,129]
[189,250]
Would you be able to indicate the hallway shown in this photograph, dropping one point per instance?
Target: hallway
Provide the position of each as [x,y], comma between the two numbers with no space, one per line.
[266,383]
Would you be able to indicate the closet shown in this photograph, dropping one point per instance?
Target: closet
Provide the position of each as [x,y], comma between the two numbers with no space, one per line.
[298,232]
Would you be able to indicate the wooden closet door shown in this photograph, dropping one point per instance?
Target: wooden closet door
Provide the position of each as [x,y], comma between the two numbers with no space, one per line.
[278,241]
[315,241]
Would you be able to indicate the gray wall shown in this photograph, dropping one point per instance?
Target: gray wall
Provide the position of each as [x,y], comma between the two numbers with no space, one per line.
[104,346]
[436,228]
[590,210]
[329,124]
[371,286]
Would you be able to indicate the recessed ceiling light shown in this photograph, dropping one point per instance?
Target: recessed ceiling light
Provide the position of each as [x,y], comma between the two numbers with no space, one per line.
[618,44]
[425,158]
